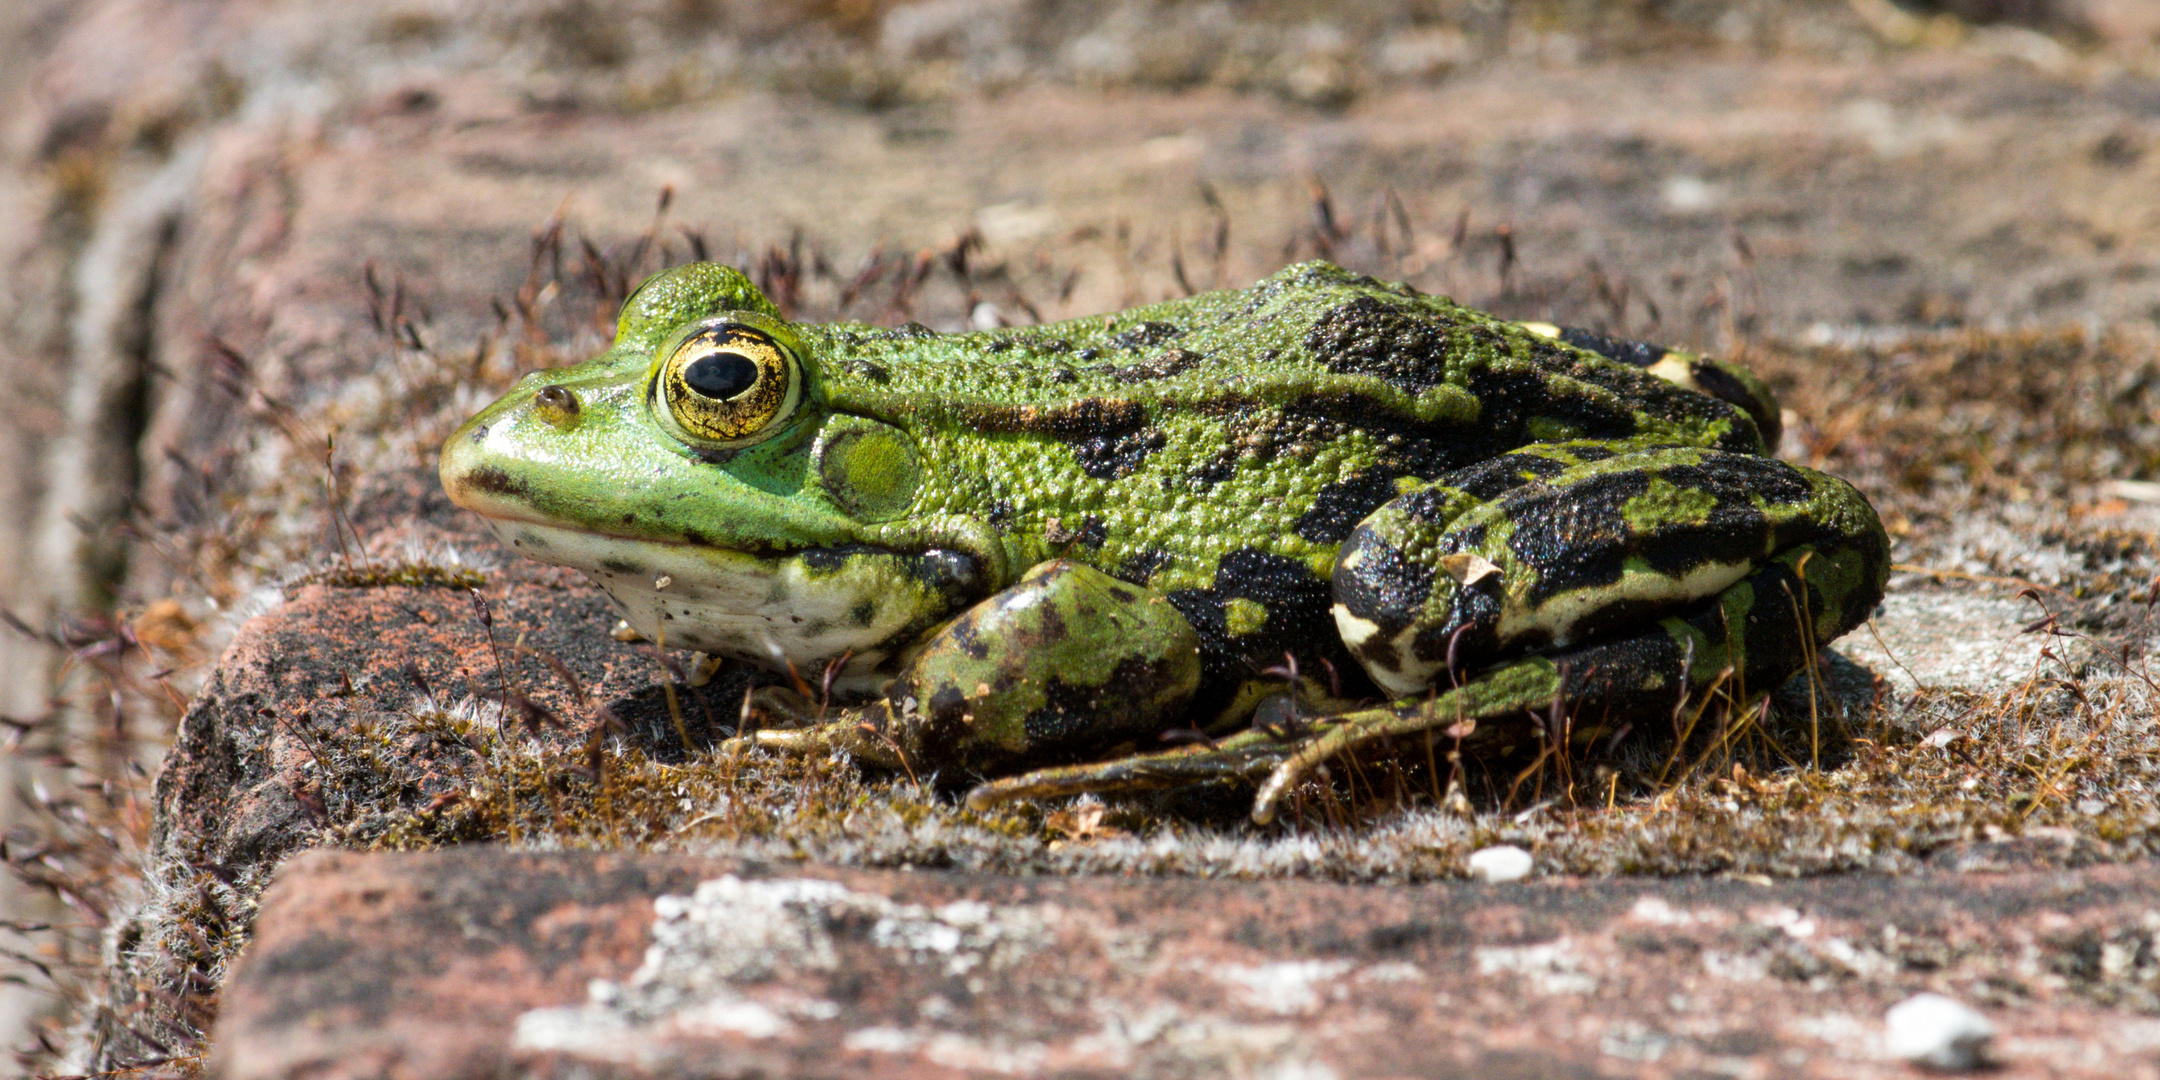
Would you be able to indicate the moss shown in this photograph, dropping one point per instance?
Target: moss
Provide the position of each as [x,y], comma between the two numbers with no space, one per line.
[376,576]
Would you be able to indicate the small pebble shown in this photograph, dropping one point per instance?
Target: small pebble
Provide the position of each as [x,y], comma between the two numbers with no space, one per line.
[1502,862]
[1938,1032]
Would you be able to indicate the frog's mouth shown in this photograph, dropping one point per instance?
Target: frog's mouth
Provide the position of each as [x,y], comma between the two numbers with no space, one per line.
[858,605]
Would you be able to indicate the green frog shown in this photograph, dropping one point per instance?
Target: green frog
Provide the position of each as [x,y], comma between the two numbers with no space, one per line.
[1231,536]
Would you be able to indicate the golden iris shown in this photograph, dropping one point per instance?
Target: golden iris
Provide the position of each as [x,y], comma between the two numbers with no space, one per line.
[727,383]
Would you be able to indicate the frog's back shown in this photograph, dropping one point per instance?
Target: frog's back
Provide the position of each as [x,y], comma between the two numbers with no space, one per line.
[1314,340]
[1220,448]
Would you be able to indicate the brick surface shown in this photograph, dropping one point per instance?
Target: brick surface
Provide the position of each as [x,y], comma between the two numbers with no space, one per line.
[483,962]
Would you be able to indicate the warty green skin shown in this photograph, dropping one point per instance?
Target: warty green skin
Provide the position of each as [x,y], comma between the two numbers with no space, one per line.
[1323,473]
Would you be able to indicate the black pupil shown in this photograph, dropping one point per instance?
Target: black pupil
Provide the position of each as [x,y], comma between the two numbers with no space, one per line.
[720,376]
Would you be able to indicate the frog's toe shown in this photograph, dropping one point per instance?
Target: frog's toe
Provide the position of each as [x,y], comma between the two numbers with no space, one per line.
[858,735]
[1246,756]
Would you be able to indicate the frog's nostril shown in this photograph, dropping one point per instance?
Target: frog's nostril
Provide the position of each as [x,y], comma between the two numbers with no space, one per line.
[558,405]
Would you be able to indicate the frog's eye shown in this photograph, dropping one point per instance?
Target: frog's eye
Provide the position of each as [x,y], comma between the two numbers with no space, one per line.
[727,385]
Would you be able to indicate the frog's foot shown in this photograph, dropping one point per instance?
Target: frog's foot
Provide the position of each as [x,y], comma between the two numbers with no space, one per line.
[1062,664]
[1754,634]
[1247,756]
[1278,758]
[858,733]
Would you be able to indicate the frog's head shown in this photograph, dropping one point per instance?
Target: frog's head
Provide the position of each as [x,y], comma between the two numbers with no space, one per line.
[697,470]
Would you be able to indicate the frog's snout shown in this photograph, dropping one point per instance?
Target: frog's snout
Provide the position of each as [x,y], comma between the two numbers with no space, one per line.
[470,475]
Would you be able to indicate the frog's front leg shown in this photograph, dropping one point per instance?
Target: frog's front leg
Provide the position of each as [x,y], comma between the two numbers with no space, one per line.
[1063,665]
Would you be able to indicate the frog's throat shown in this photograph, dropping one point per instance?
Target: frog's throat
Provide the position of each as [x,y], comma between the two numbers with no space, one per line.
[802,610]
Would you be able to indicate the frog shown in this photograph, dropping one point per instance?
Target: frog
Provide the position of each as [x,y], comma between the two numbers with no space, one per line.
[1225,538]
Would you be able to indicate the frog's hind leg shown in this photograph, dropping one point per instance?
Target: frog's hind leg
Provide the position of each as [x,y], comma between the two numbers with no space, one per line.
[1758,632]
[1730,383]
[1556,546]
[1612,581]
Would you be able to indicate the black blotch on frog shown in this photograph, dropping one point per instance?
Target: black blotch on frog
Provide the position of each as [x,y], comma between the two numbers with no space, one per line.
[1765,478]
[1488,480]
[1341,505]
[1108,457]
[1111,437]
[1510,397]
[1219,466]
[869,371]
[1581,538]
[1387,590]
[1147,335]
[1167,364]
[1406,447]
[964,636]
[493,479]
[1636,353]
[1406,346]
[1089,534]
[1300,622]
[1071,725]
[1140,566]
[1576,539]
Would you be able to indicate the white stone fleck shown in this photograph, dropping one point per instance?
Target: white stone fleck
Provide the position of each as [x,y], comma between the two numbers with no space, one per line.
[740,1017]
[1297,1070]
[1689,194]
[881,1040]
[1937,1031]
[1657,912]
[1501,862]
[1635,1041]
[1860,958]
[1553,968]
[1739,967]
[1391,971]
[1831,1027]
[584,1031]
[1284,989]
[1790,920]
